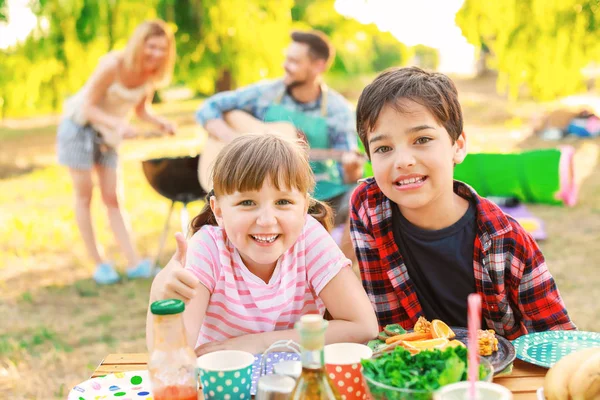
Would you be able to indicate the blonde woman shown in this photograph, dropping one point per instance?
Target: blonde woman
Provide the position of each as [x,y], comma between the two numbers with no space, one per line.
[94,122]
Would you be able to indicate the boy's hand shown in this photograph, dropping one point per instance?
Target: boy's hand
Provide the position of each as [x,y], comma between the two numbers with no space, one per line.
[174,281]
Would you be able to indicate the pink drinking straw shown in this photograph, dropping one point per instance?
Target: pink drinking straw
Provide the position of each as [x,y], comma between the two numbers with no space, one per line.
[474,323]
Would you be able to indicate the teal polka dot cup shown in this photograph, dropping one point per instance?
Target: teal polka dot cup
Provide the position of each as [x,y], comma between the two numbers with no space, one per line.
[226,374]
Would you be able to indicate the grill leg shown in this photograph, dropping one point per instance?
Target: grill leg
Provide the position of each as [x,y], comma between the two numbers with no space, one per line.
[163,237]
[185,220]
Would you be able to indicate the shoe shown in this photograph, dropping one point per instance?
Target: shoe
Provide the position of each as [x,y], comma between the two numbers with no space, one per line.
[105,274]
[142,270]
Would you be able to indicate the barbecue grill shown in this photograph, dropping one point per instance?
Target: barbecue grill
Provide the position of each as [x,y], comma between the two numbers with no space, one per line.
[177,180]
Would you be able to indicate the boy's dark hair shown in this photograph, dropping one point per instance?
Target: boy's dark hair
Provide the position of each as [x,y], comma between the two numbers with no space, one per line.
[432,90]
[319,46]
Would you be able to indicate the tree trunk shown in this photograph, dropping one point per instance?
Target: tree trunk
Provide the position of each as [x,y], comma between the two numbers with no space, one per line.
[225,81]
[112,11]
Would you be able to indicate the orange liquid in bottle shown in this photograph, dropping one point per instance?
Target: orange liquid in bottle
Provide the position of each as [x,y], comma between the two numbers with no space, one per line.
[176,393]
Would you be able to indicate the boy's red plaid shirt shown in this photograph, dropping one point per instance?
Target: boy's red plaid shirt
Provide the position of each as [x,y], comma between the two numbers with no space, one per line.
[518,293]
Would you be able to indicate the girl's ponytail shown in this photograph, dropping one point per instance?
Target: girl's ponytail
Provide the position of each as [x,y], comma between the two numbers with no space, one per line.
[206,216]
[321,212]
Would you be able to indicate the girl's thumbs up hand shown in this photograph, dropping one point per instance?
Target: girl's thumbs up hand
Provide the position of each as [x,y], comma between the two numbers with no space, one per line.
[180,251]
[174,281]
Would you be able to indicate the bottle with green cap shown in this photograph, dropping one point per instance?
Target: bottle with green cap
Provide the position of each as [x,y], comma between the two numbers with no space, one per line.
[172,363]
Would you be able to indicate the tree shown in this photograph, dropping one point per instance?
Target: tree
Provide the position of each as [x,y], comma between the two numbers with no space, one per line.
[3,11]
[426,57]
[227,43]
[360,48]
[539,45]
[221,44]
[61,53]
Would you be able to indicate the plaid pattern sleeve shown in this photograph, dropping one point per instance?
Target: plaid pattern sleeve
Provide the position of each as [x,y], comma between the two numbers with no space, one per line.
[519,293]
[538,298]
[373,270]
[363,241]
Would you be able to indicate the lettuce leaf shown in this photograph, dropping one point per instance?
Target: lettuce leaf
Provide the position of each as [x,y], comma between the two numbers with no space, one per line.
[427,370]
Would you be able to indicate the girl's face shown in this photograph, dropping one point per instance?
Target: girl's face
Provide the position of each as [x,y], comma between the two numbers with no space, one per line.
[262,224]
[154,52]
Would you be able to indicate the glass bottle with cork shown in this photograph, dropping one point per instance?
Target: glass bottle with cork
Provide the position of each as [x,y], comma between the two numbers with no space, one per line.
[313,383]
[172,363]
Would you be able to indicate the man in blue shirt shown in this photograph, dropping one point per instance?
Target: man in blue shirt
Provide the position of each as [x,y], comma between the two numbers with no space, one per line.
[302,98]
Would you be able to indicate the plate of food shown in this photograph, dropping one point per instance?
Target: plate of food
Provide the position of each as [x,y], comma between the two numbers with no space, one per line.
[438,335]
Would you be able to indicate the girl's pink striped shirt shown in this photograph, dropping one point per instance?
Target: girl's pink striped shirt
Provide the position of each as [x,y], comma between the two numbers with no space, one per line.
[241,303]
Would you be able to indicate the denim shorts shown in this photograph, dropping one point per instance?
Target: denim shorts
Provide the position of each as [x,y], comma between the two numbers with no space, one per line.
[81,147]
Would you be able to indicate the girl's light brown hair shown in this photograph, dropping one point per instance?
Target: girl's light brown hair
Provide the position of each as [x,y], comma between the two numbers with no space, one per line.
[249,160]
[133,54]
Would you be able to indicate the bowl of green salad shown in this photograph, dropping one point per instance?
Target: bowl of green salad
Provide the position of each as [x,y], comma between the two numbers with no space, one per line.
[398,375]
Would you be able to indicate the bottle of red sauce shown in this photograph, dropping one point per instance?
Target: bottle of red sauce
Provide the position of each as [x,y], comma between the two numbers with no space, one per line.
[172,363]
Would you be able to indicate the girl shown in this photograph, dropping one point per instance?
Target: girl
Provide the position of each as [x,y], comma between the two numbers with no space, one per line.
[95,120]
[261,256]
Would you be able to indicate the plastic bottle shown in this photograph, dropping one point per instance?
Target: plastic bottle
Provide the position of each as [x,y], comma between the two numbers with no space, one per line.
[313,383]
[172,363]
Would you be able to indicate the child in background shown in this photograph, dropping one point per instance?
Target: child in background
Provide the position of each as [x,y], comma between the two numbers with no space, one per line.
[424,241]
[261,256]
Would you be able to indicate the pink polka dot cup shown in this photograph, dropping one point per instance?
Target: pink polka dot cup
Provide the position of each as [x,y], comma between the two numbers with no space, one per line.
[342,362]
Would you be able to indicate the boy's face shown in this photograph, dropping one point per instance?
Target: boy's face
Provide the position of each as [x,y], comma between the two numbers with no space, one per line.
[413,158]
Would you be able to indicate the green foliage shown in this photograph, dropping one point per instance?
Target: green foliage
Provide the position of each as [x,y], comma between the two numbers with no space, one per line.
[221,44]
[242,46]
[360,48]
[536,44]
[88,24]
[427,57]
[3,11]
[61,53]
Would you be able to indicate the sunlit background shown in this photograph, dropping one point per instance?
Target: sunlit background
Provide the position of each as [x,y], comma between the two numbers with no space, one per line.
[429,22]
[412,22]
[519,66]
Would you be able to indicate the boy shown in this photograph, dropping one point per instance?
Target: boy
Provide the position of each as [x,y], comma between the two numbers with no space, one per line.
[425,241]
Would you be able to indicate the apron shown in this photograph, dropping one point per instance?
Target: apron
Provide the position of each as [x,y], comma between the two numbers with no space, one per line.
[329,182]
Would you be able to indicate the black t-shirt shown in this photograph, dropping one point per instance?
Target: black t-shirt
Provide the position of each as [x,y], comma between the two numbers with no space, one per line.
[440,264]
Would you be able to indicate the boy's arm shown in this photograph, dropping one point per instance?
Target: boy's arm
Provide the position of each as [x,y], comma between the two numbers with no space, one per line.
[363,242]
[539,300]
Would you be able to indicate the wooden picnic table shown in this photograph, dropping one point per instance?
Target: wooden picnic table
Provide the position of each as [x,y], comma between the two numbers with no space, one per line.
[523,382]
